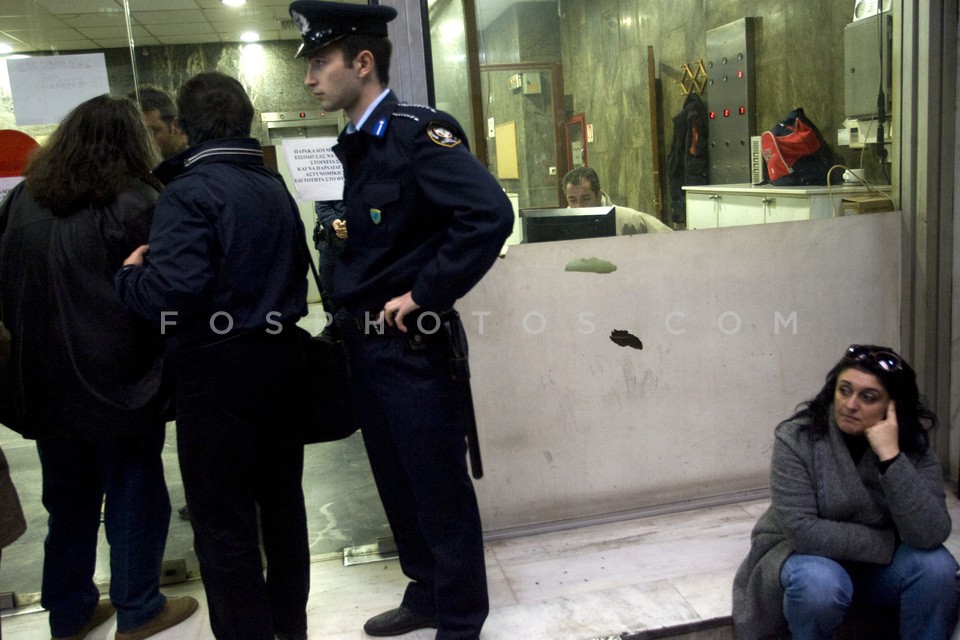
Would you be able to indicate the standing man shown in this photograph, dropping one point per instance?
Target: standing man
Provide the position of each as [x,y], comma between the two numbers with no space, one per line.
[160,116]
[225,282]
[425,220]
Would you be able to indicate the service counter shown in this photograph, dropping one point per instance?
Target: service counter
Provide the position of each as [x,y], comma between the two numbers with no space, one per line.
[655,374]
[728,205]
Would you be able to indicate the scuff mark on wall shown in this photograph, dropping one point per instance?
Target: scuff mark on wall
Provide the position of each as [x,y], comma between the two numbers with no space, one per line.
[625,339]
[590,265]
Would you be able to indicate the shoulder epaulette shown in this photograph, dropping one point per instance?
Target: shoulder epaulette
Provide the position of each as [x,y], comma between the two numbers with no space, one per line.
[407,105]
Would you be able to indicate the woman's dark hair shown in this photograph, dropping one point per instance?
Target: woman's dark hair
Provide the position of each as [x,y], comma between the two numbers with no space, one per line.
[914,419]
[98,148]
[213,105]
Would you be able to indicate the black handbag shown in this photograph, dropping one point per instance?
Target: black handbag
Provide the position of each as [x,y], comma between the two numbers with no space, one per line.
[326,413]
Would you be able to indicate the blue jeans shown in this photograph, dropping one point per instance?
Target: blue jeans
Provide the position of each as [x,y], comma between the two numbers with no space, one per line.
[77,476]
[818,592]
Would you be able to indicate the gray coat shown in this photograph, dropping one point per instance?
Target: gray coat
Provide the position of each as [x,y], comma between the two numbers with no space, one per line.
[822,504]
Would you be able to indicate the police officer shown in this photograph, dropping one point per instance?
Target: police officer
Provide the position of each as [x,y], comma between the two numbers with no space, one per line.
[425,220]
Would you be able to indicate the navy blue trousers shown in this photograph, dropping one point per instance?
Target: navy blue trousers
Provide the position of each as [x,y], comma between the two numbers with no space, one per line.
[239,454]
[415,439]
[77,476]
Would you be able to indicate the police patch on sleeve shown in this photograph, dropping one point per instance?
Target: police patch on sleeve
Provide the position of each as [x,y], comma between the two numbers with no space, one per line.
[442,135]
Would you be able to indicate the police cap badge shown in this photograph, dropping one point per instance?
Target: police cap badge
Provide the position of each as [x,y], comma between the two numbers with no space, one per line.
[321,23]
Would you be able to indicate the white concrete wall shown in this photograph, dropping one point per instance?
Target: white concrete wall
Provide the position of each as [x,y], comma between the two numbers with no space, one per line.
[738,325]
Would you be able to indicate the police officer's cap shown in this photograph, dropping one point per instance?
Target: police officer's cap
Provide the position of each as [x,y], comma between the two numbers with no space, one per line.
[321,23]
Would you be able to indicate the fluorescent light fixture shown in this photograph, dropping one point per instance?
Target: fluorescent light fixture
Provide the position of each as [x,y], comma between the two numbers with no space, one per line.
[5,48]
[249,36]
[234,3]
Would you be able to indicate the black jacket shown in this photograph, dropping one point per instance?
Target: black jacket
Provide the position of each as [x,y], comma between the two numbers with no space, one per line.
[81,365]
[689,160]
[423,214]
[227,253]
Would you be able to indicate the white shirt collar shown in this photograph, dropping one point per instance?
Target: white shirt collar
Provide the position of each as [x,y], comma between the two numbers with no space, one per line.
[352,128]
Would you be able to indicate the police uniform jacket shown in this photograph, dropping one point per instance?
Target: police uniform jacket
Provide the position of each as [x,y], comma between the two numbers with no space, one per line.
[826,504]
[227,248]
[423,214]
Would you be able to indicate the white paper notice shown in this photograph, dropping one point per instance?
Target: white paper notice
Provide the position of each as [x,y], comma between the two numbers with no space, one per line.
[45,89]
[6,184]
[316,172]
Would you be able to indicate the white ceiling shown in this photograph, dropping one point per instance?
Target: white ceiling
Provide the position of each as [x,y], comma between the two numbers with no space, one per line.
[70,25]
[64,25]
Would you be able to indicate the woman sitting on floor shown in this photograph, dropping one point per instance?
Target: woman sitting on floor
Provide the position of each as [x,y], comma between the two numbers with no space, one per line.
[857,512]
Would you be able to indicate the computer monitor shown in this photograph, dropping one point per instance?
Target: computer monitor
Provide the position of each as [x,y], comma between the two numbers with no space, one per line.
[546,225]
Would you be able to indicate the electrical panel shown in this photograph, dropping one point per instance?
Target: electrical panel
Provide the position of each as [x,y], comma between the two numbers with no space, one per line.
[730,100]
[865,43]
[758,167]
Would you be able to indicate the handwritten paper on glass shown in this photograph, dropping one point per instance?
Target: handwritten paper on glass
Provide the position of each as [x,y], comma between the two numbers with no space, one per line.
[316,172]
[45,89]
[6,184]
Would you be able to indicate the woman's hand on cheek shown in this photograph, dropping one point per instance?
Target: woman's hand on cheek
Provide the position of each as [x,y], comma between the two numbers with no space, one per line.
[884,436]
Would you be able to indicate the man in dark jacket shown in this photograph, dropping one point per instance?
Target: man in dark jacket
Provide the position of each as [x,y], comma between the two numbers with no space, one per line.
[225,281]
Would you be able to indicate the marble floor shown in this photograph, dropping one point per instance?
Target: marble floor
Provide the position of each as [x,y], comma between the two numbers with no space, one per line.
[616,580]
[631,579]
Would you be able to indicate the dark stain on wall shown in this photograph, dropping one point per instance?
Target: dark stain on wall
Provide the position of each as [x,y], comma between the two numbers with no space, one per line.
[625,339]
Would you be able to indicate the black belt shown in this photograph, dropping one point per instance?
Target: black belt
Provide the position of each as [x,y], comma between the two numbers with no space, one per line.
[419,324]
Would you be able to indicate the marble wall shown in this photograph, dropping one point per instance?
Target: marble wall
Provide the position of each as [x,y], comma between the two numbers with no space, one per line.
[449,52]
[524,33]
[602,45]
[268,71]
[799,62]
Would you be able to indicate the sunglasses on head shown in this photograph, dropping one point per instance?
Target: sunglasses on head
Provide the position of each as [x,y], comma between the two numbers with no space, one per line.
[886,360]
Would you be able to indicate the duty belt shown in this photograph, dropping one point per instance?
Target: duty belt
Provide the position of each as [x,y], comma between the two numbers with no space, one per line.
[419,324]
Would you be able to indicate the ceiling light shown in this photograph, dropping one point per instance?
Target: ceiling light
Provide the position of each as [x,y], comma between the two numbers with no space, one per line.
[5,48]
[250,36]
[234,3]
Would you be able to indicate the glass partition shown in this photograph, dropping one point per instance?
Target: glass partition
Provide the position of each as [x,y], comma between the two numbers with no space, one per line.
[517,72]
[166,44]
[544,64]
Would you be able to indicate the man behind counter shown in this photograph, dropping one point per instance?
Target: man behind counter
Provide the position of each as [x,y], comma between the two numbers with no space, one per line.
[581,187]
